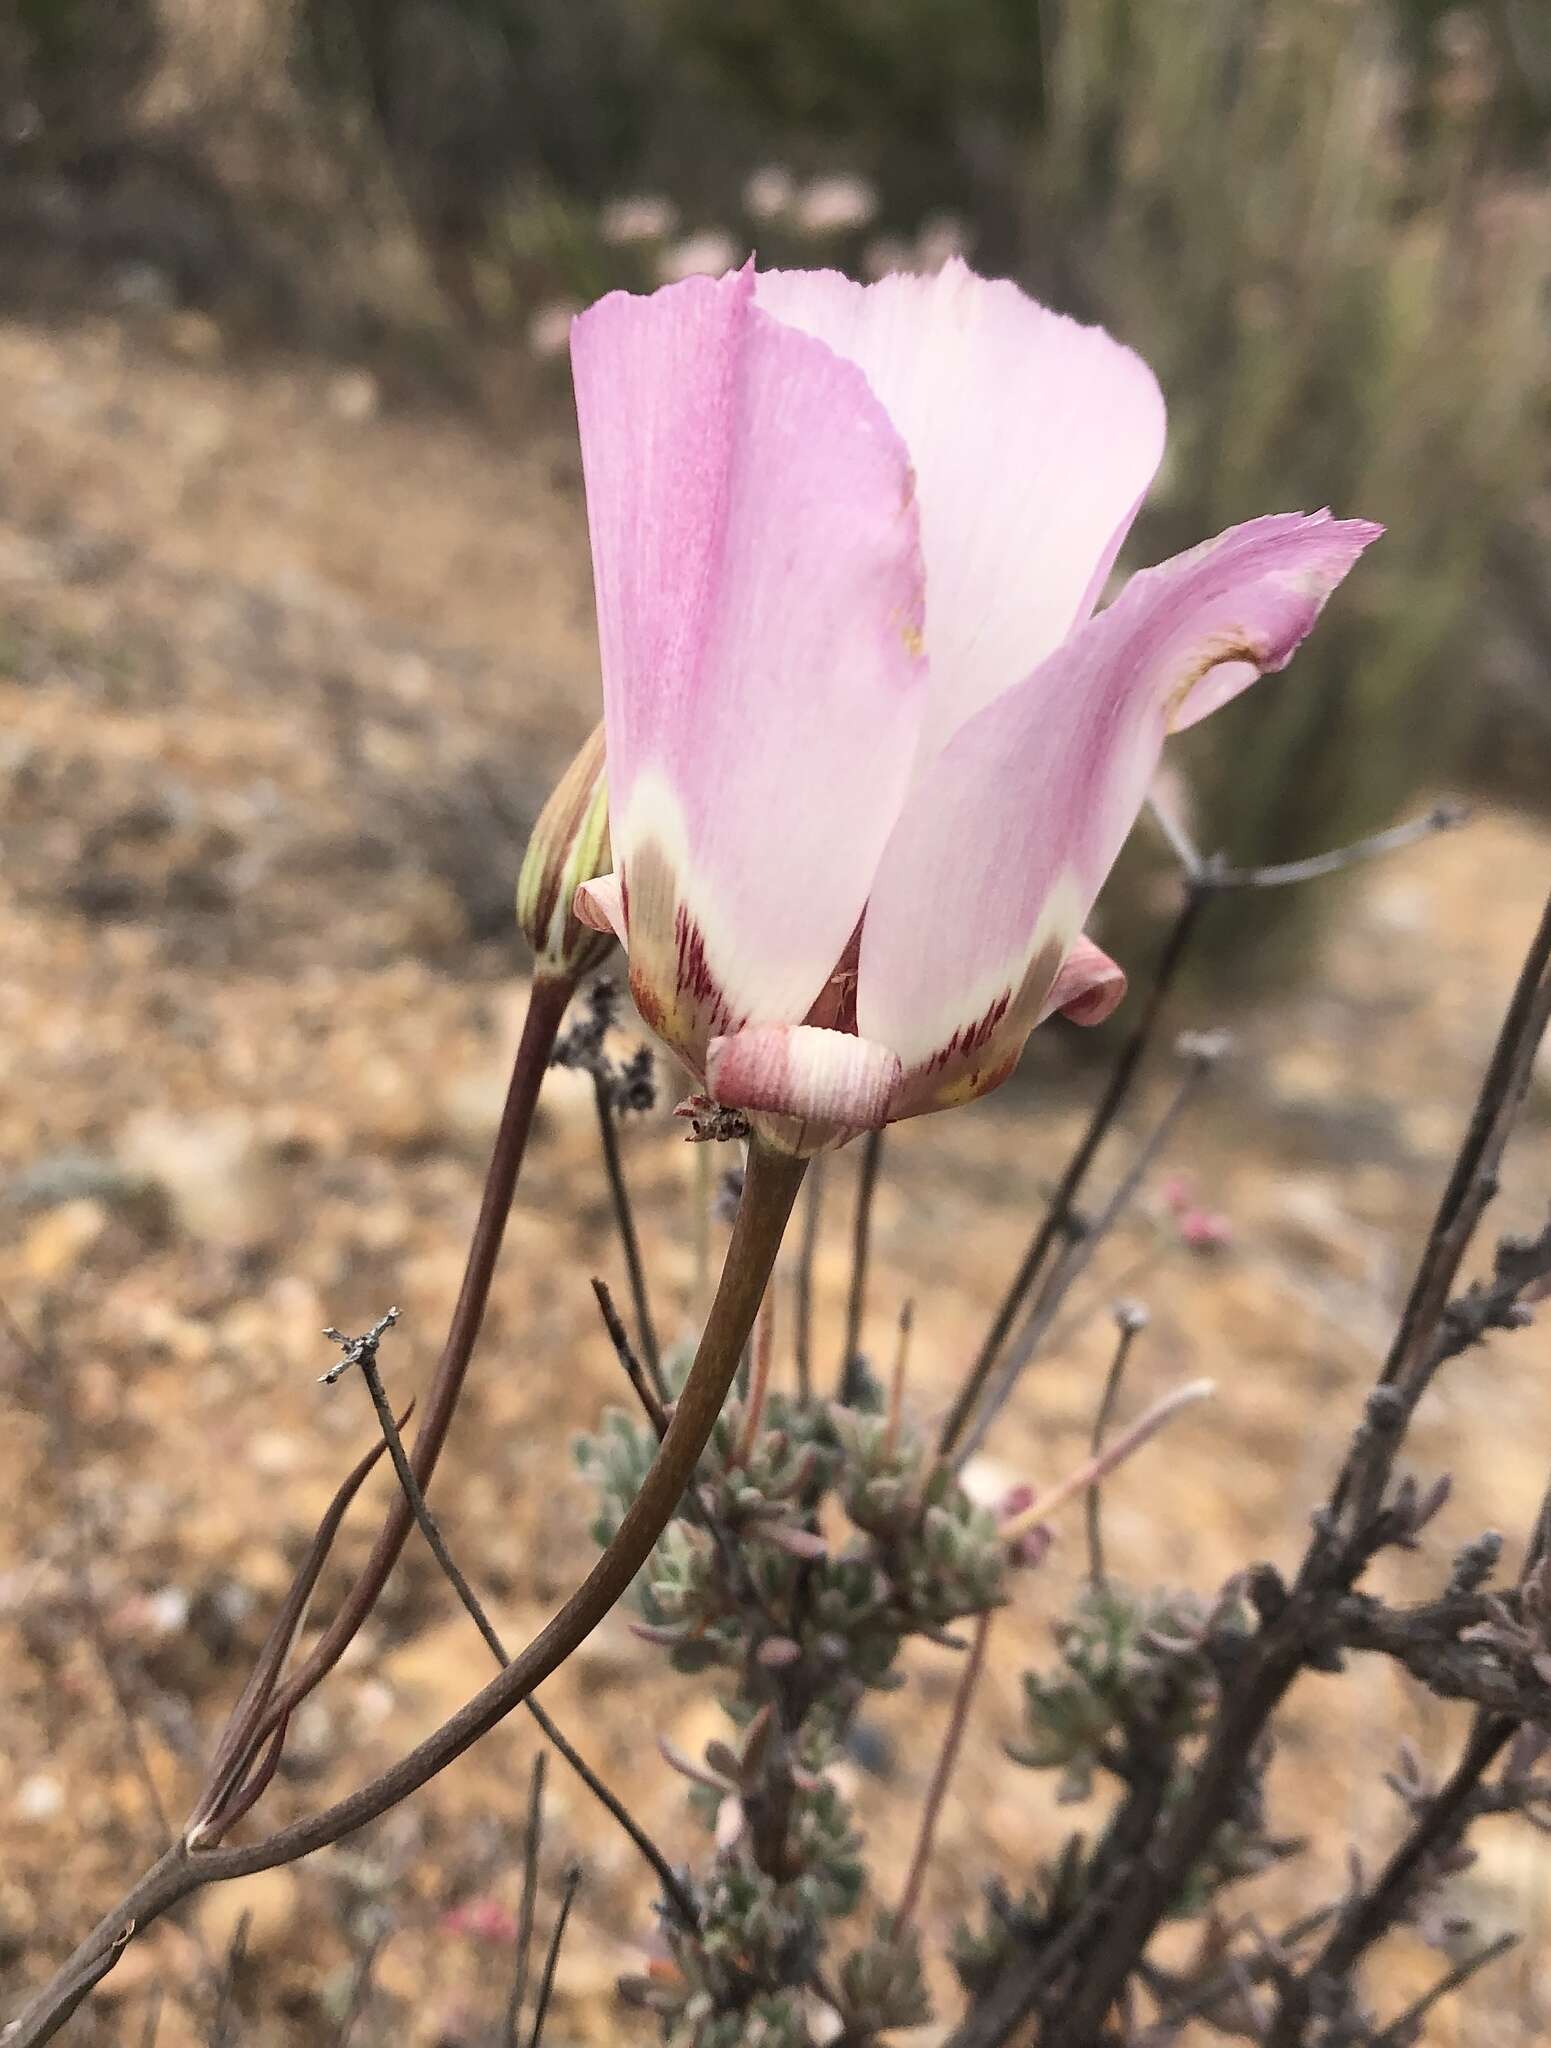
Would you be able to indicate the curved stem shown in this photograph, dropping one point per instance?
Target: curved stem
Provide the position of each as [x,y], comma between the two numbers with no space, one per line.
[769,1191]
[547,1004]
[937,1792]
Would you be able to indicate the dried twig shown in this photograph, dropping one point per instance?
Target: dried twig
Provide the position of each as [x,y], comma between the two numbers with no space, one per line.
[552,1956]
[1059,1215]
[152,2024]
[861,1239]
[361,1986]
[361,1352]
[759,1384]
[1204,880]
[624,1221]
[1404,2030]
[1130,1321]
[223,2027]
[547,1005]
[1371,1912]
[619,1337]
[771,1187]
[522,1956]
[942,1774]
[1298,1626]
[1098,1467]
[1444,817]
[812,1209]
[1201,1052]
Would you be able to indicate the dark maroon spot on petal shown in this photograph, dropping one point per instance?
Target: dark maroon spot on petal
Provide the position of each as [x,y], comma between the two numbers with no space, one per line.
[971,1038]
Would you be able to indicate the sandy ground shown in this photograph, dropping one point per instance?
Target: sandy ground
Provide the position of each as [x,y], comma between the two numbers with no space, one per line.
[285,664]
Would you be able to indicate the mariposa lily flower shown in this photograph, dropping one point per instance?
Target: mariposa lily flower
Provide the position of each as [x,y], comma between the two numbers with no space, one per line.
[871,750]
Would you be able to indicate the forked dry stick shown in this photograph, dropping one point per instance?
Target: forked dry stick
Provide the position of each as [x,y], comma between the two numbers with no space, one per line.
[1204,881]
[771,1186]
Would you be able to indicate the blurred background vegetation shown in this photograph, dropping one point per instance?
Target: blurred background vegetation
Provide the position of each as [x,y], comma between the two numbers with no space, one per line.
[1326,222]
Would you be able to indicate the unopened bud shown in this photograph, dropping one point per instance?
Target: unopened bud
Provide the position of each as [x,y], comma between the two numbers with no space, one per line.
[569,846]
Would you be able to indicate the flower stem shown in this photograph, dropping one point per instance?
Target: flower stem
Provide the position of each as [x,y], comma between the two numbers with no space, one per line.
[770,1189]
[547,1004]
[947,1757]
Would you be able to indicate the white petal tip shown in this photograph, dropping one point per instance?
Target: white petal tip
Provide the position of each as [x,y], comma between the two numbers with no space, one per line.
[803,1071]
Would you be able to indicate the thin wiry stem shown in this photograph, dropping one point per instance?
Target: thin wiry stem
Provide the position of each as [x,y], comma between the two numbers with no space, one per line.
[522,1957]
[1437,1828]
[770,1189]
[1201,1055]
[619,1337]
[812,1206]
[360,1987]
[624,1221]
[547,1004]
[1471,1186]
[362,1353]
[861,1244]
[942,1774]
[152,2024]
[1204,879]
[895,1413]
[1276,1956]
[1130,1321]
[759,1383]
[1099,1466]
[1473,1182]
[223,2027]
[1402,2030]
[1059,1217]
[1334,1558]
[552,1956]
[1442,817]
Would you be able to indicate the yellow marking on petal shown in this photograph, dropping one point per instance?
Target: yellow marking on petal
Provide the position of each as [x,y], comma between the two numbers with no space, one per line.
[1221,648]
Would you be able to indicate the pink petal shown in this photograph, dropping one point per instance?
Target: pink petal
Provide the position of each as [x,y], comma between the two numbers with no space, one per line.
[1009,833]
[600,905]
[759,585]
[1088,987]
[1034,441]
[819,1086]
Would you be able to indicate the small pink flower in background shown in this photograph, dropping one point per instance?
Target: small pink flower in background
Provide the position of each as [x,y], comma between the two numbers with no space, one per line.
[1206,1230]
[1200,1229]
[707,254]
[769,192]
[481,1920]
[871,751]
[644,217]
[835,205]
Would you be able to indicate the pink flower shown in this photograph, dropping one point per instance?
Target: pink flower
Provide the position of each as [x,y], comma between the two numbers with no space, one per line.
[871,752]
[1206,1230]
[482,1919]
